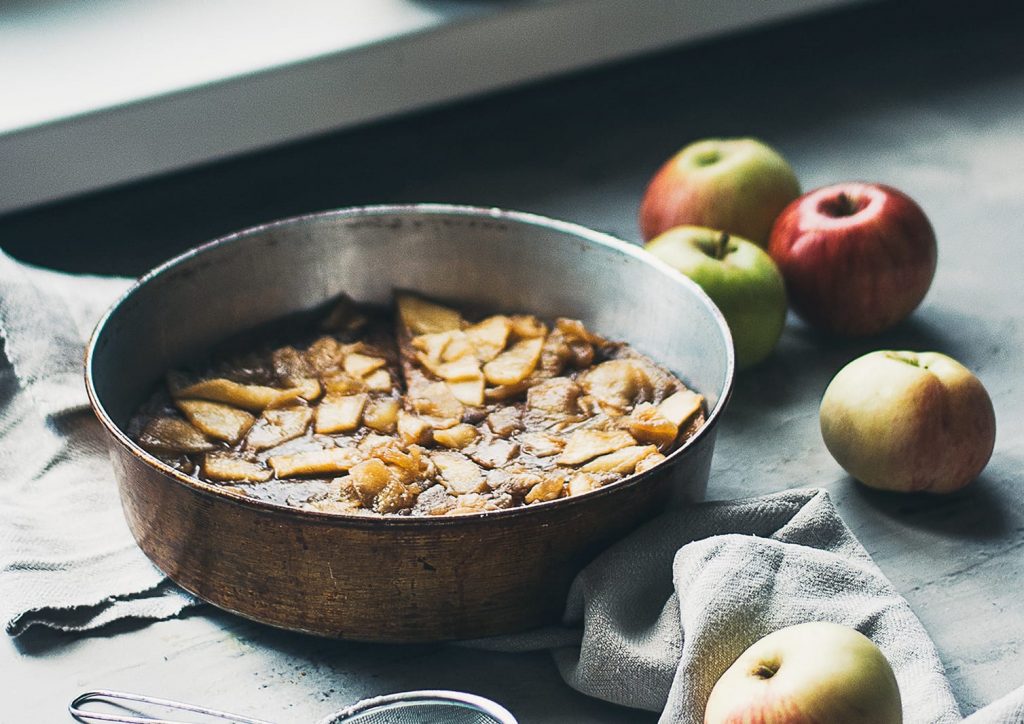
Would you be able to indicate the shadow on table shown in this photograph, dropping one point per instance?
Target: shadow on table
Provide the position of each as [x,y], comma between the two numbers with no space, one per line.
[795,376]
[337,673]
[528,684]
[40,640]
[976,512]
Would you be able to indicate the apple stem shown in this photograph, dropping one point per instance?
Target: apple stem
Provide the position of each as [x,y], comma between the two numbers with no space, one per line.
[723,244]
[907,357]
[847,206]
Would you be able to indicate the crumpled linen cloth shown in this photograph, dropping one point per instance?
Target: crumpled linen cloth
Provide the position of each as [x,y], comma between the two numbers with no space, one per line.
[655,620]
[651,623]
[67,559]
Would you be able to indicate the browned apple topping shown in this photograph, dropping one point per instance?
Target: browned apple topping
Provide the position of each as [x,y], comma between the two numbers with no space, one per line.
[458,436]
[584,445]
[340,413]
[225,466]
[278,426]
[316,462]
[423,317]
[516,363]
[171,435]
[423,412]
[215,420]
[254,398]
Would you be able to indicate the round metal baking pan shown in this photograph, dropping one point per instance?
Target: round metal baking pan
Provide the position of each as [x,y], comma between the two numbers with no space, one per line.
[396,578]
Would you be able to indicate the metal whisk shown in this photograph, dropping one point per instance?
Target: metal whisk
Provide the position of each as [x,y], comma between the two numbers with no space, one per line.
[409,707]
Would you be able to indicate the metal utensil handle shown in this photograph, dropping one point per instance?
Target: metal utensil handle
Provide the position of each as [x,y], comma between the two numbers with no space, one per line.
[116,696]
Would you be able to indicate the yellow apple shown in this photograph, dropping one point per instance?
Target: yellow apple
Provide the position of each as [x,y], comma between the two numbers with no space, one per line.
[908,421]
[808,674]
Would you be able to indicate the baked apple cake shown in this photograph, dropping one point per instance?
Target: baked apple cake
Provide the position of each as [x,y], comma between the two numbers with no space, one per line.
[423,410]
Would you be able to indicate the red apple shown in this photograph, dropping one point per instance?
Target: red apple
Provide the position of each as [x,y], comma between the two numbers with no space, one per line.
[807,674]
[737,185]
[857,257]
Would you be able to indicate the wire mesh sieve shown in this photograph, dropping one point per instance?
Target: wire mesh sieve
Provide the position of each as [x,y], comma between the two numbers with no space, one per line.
[409,707]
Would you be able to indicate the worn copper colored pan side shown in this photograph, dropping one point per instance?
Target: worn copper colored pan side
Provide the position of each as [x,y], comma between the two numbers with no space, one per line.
[395,578]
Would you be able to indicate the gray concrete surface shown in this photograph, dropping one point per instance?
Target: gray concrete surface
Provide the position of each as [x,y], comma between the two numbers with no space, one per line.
[928,97]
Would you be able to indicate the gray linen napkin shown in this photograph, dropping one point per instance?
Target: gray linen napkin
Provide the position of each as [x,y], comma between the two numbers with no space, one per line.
[650,624]
[67,559]
[656,619]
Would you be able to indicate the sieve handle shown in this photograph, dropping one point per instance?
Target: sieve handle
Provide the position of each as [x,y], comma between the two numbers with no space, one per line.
[119,697]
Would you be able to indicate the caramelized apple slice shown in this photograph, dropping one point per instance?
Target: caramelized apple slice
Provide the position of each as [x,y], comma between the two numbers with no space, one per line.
[471,504]
[647,424]
[435,400]
[617,384]
[379,381]
[525,326]
[550,488]
[623,461]
[505,421]
[516,363]
[554,398]
[501,393]
[407,466]
[584,445]
[443,346]
[340,413]
[215,420]
[649,462]
[456,437]
[489,337]
[381,415]
[169,434]
[464,368]
[423,317]
[458,473]
[369,478]
[681,406]
[396,496]
[413,429]
[227,467]
[360,365]
[541,444]
[316,462]
[434,344]
[469,392]
[342,383]
[574,330]
[581,483]
[458,348]
[495,453]
[248,397]
[277,426]
[306,389]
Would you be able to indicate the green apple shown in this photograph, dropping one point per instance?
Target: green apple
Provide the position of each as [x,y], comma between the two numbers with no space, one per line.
[738,185]
[908,421]
[808,674]
[739,277]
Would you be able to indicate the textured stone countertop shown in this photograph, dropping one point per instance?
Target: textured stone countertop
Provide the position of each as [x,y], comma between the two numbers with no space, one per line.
[925,96]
